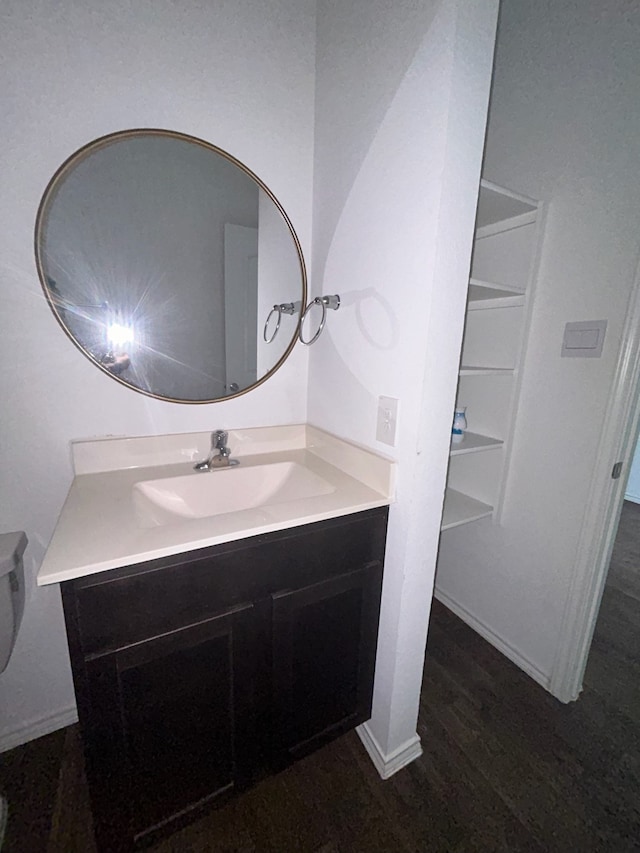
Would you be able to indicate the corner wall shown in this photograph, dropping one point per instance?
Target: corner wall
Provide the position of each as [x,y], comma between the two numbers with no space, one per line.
[401,102]
[240,75]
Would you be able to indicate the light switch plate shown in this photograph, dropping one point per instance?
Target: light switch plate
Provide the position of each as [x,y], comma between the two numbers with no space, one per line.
[583,339]
[387,420]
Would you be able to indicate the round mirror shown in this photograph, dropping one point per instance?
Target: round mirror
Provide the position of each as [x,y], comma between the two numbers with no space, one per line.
[170,265]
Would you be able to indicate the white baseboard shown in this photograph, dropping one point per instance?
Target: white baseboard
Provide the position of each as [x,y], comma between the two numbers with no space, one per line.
[495,639]
[38,728]
[387,765]
[630,496]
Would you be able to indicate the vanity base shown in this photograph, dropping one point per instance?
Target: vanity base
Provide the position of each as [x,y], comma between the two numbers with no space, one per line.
[198,674]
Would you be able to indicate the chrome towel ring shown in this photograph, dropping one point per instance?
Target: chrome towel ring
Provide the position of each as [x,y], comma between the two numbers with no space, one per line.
[282,308]
[332,302]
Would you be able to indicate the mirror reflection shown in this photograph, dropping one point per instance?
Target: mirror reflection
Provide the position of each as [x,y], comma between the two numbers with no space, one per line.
[162,257]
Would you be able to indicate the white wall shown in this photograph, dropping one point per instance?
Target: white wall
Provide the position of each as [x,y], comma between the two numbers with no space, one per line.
[565,128]
[239,75]
[401,101]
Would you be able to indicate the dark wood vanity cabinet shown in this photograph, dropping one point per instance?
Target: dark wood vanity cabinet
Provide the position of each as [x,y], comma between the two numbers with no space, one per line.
[197,674]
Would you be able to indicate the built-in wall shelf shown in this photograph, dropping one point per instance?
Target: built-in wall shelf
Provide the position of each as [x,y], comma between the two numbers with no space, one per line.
[461,509]
[498,309]
[502,207]
[485,294]
[473,442]
[467,370]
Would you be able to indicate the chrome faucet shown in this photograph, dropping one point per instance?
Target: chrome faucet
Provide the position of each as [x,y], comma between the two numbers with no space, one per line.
[219,456]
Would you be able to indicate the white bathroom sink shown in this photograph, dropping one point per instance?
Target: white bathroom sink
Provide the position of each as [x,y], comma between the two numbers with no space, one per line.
[209,493]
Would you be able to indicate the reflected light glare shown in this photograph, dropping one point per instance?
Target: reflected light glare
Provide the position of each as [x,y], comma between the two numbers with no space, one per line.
[117,334]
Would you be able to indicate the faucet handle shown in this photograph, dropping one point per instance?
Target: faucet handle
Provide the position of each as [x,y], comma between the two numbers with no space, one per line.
[219,439]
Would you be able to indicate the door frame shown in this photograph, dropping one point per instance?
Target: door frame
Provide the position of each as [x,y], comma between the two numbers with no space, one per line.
[241,301]
[618,440]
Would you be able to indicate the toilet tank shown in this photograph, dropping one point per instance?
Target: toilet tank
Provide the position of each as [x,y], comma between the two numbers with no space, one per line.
[12,547]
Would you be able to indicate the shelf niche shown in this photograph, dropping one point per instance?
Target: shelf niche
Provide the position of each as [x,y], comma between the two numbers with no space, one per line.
[492,352]
[461,509]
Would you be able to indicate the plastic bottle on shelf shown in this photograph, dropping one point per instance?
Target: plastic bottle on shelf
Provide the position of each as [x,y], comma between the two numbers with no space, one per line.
[459,424]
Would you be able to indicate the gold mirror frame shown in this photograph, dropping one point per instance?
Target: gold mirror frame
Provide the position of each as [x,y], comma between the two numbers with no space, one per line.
[49,194]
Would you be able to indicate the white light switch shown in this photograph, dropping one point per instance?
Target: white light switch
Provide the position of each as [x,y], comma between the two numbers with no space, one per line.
[387,420]
[583,339]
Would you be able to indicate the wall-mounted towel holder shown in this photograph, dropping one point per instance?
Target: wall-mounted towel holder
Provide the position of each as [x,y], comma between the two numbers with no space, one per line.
[279,310]
[332,302]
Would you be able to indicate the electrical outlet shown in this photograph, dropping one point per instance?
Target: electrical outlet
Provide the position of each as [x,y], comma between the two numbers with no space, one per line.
[387,420]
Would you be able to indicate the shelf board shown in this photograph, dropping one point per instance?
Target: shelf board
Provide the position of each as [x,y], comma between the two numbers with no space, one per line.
[473,442]
[461,509]
[505,289]
[468,370]
[486,294]
[496,204]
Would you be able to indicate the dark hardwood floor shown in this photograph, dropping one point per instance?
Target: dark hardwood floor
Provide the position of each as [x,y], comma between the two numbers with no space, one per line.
[505,766]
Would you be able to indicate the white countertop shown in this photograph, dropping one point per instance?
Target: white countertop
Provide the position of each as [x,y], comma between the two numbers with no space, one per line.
[98,528]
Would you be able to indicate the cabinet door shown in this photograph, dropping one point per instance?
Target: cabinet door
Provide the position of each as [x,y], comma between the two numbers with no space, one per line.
[324,647]
[172,725]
